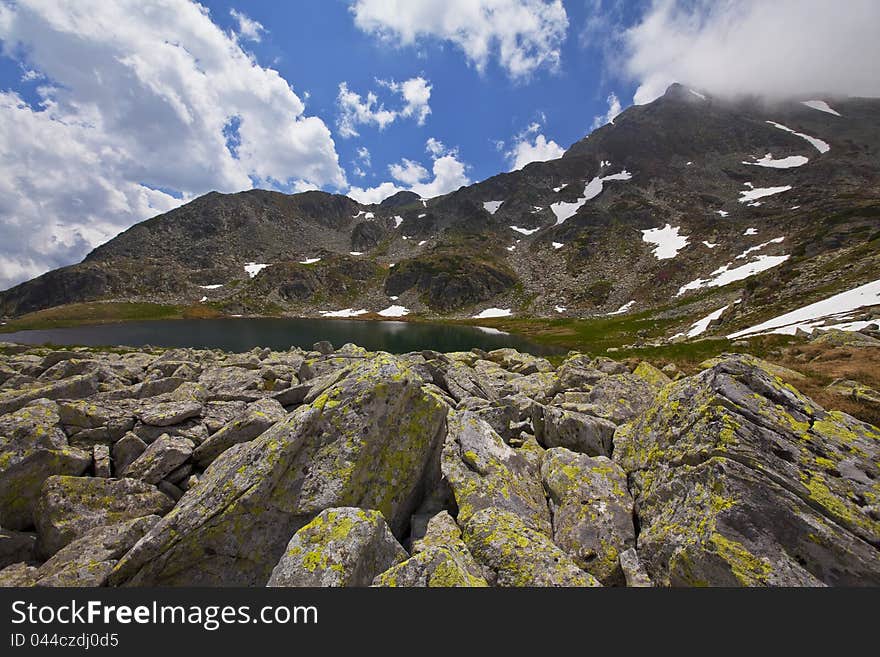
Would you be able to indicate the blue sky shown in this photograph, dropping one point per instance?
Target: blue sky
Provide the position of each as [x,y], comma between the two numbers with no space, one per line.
[113,111]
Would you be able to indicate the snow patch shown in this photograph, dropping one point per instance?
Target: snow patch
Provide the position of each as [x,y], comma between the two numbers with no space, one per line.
[560,309]
[808,317]
[560,188]
[397,220]
[203,299]
[423,242]
[782,163]
[492,206]
[592,189]
[369,215]
[309,261]
[557,245]
[511,247]
[394,311]
[667,240]
[253,268]
[818,144]
[751,231]
[701,325]
[709,245]
[754,193]
[725,275]
[356,253]
[346,312]
[624,308]
[211,287]
[722,213]
[525,231]
[751,249]
[697,94]
[493,312]
[421,216]
[491,331]
[820,105]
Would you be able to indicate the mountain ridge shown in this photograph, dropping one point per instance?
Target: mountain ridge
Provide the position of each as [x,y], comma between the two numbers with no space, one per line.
[563,238]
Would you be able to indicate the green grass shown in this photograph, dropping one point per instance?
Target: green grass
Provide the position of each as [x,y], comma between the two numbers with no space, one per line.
[77,314]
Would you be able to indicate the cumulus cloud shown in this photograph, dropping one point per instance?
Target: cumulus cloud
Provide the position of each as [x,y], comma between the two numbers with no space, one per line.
[355,110]
[146,108]
[614,108]
[780,48]
[531,146]
[449,173]
[522,35]
[248,28]
[408,172]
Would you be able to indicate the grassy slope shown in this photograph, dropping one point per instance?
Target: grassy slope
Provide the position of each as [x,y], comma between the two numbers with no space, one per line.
[77,314]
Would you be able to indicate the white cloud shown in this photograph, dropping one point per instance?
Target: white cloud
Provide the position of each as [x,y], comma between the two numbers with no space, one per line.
[145,99]
[614,108]
[363,154]
[248,28]
[449,173]
[355,110]
[780,48]
[435,147]
[408,172]
[531,146]
[523,35]
[416,93]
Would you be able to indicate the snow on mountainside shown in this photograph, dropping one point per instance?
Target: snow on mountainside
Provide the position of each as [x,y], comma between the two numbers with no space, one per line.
[675,210]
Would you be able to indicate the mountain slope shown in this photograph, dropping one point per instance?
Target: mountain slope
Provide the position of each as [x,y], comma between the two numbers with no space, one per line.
[682,208]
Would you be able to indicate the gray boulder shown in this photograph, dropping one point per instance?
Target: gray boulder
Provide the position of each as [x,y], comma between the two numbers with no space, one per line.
[125,452]
[32,447]
[366,442]
[165,414]
[519,555]
[258,417]
[68,507]
[16,546]
[576,431]
[160,459]
[340,547]
[592,511]
[485,472]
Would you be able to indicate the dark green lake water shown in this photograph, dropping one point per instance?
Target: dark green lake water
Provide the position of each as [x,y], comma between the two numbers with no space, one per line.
[242,334]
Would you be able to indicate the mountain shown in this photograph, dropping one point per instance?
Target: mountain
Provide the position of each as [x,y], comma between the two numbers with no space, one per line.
[691,207]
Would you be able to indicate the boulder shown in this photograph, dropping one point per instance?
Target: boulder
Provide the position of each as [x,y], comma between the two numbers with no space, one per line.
[541,386]
[89,421]
[519,555]
[739,479]
[166,414]
[657,378]
[576,431]
[76,387]
[621,397]
[258,417]
[88,560]
[18,575]
[592,511]
[340,547]
[633,571]
[32,447]
[68,507]
[101,459]
[125,452]
[435,566]
[485,472]
[323,347]
[367,442]
[16,546]
[160,459]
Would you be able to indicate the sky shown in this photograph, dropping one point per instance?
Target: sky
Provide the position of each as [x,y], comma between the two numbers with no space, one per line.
[113,111]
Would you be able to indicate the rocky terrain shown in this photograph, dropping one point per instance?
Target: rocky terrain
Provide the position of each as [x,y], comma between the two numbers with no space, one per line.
[348,468]
[689,208]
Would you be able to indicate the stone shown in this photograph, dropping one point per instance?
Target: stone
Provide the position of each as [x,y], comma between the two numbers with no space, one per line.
[32,447]
[485,472]
[541,386]
[16,546]
[258,417]
[88,560]
[620,398]
[592,511]
[323,347]
[160,459]
[18,575]
[340,547]
[739,479]
[101,459]
[70,506]
[366,442]
[657,378]
[854,390]
[166,414]
[633,571]
[76,387]
[576,431]
[125,452]
[435,566]
[519,555]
